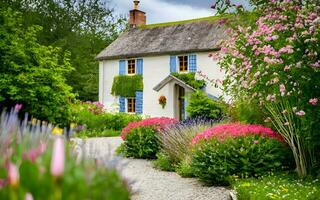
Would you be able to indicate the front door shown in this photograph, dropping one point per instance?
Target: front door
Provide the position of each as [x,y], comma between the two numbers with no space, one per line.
[181,102]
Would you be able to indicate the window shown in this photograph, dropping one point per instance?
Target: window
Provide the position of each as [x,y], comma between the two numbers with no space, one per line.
[131,66]
[183,63]
[131,104]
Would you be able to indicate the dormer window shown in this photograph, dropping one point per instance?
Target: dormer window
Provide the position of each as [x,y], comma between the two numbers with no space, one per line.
[131,66]
[183,63]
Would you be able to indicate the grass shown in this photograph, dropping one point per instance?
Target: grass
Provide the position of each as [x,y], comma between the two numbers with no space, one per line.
[210,18]
[281,186]
[105,133]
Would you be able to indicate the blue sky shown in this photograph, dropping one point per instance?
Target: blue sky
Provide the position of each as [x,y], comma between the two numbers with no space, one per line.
[168,10]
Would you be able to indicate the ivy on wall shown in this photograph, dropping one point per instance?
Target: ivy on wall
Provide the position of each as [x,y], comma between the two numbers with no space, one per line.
[189,78]
[126,86]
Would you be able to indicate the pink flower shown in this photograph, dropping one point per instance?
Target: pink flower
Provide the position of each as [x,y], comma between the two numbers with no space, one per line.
[300,113]
[282,89]
[13,174]
[236,130]
[33,154]
[157,123]
[18,107]
[57,160]
[256,142]
[29,196]
[313,101]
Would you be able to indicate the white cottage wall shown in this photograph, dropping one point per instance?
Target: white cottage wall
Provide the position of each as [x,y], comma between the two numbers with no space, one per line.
[155,69]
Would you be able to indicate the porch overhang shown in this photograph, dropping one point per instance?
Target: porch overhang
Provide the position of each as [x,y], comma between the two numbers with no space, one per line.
[174,79]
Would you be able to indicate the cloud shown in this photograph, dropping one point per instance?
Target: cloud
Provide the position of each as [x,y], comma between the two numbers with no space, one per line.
[161,11]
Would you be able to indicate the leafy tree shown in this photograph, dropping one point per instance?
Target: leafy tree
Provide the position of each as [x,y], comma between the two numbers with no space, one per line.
[32,74]
[83,28]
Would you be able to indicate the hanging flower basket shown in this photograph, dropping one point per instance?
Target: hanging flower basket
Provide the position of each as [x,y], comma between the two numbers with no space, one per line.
[163,101]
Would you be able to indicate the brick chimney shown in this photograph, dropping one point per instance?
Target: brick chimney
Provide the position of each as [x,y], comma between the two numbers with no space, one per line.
[137,17]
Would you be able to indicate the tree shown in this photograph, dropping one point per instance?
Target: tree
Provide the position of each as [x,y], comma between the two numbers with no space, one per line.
[32,74]
[83,28]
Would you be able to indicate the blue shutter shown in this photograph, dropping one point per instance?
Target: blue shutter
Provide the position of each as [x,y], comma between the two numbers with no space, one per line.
[140,66]
[122,67]
[193,63]
[173,64]
[122,104]
[139,102]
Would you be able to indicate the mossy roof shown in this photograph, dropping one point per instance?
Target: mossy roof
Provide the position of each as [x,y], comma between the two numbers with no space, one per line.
[189,36]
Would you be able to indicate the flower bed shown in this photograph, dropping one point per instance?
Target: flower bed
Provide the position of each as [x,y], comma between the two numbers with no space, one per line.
[236,130]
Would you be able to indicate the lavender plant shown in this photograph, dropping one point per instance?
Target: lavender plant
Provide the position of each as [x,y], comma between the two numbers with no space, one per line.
[31,156]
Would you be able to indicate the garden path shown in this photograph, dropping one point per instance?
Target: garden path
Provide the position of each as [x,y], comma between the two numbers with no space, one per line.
[151,184]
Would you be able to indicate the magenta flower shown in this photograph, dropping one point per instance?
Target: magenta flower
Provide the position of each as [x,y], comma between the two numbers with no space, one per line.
[13,174]
[157,123]
[18,107]
[57,160]
[313,101]
[236,130]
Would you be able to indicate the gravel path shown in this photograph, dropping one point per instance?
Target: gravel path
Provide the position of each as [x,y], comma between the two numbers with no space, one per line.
[151,184]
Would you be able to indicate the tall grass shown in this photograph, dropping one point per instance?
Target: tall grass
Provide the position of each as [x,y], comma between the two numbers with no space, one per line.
[176,140]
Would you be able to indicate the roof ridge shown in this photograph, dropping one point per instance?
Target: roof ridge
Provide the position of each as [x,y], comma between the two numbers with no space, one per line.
[209,18]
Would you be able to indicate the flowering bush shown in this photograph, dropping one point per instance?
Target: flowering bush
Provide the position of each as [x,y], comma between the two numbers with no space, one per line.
[156,123]
[275,60]
[140,138]
[214,161]
[236,130]
[36,165]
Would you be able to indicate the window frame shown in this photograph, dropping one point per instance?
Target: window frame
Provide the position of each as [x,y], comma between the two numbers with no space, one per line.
[184,68]
[131,63]
[131,106]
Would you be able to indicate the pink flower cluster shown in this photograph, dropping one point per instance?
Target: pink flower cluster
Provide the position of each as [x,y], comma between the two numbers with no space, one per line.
[236,130]
[157,123]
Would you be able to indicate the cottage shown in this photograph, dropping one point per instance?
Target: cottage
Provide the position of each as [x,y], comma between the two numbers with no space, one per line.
[146,70]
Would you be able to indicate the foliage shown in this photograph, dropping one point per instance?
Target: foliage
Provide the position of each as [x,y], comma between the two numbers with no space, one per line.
[157,123]
[189,78]
[162,162]
[184,169]
[126,86]
[140,143]
[277,59]
[200,105]
[93,121]
[215,160]
[223,131]
[176,139]
[82,28]
[32,74]
[32,159]
[246,111]
[280,186]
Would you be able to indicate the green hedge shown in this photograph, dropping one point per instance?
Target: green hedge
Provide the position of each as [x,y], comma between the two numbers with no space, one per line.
[126,86]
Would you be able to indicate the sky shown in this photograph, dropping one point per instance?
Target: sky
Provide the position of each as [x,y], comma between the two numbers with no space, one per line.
[167,10]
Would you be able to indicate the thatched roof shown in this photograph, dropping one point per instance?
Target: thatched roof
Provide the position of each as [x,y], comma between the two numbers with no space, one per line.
[191,36]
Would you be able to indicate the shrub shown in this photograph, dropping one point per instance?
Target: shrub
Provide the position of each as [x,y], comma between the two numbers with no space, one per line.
[93,121]
[162,162]
[32,159]
[201,106]
[140,140]
[141,143]
[240,150]
[280,186]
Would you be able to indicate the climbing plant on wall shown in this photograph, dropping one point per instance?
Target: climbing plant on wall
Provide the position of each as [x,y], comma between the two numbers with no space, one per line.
[126,86]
